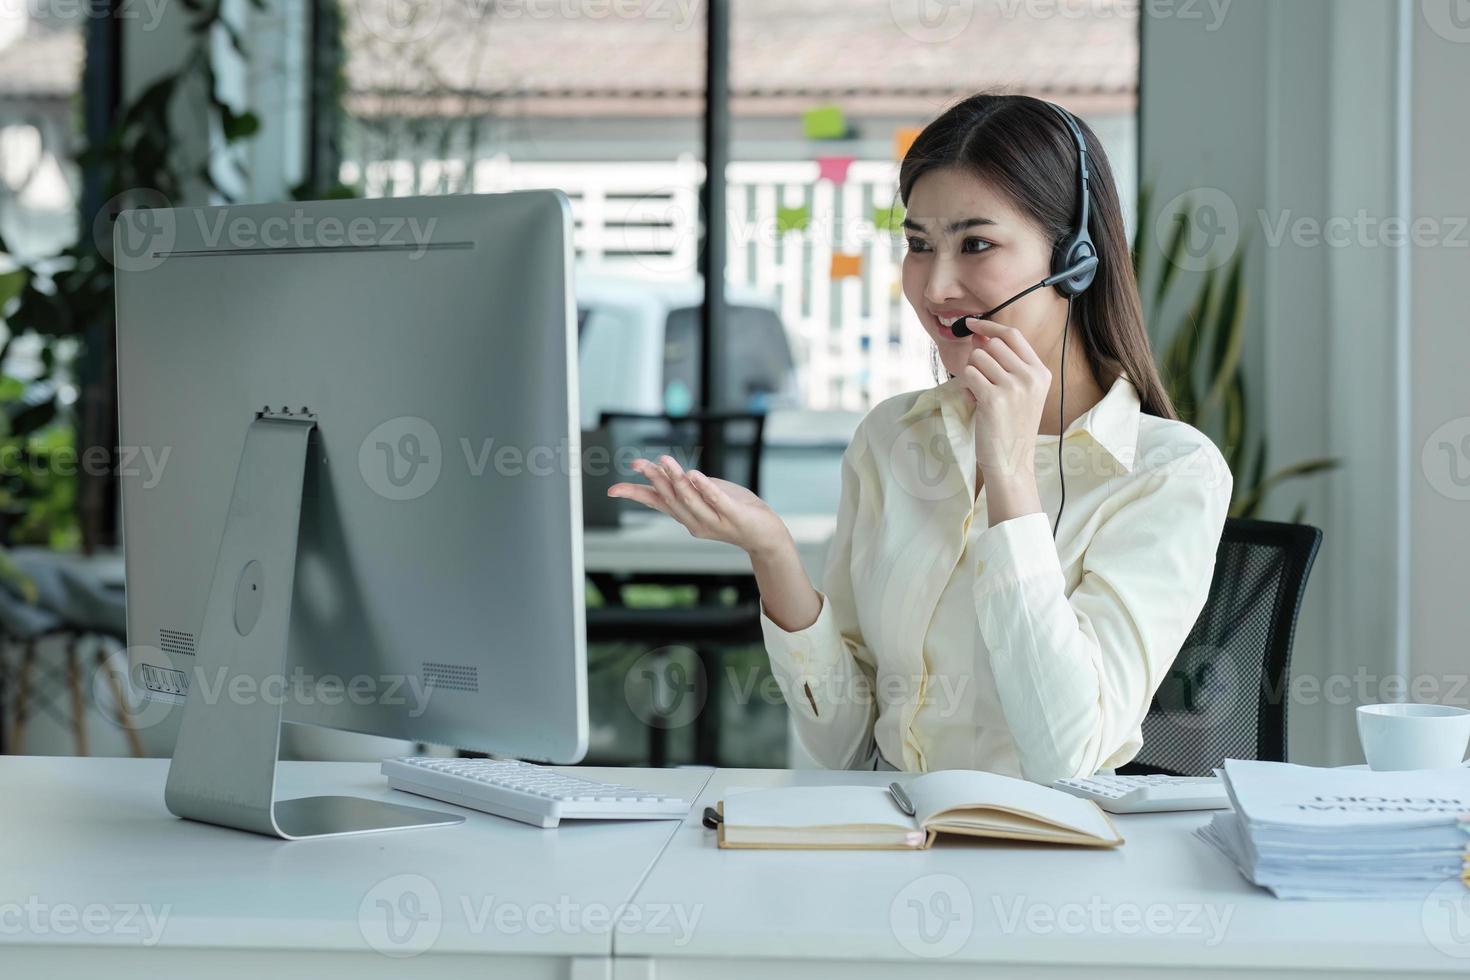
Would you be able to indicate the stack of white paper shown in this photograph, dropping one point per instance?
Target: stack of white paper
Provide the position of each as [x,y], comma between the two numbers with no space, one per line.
[1344,833]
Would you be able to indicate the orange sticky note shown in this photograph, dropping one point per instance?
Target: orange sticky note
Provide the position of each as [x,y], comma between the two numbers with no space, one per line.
[846,266]
[903,139]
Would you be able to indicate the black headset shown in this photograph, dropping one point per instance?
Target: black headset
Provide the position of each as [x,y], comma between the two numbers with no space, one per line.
[1073,269]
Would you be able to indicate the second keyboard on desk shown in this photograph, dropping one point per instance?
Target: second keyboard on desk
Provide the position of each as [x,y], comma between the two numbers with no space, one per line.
[526,792]
[1148,794]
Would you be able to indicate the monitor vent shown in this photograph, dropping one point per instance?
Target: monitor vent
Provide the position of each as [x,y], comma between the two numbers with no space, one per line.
[451,677]
[176,641]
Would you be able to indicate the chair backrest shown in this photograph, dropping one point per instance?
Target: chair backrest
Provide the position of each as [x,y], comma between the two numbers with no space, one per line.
[1225,696]
[724,445]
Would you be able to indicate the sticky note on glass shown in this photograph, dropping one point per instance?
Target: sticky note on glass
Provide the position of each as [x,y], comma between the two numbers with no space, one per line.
[792,219]
[833,168]
[824,123]
[903,139]
[846,266]
[888,219]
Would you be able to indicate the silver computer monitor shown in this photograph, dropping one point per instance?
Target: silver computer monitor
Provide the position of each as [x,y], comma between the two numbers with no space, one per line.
[365,497]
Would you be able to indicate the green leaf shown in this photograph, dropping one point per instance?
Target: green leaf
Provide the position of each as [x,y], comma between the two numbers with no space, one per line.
[1253,500]
[1173,252]
[1229,337]
[238,126]
[20,582]
[1140,253]
[11,284]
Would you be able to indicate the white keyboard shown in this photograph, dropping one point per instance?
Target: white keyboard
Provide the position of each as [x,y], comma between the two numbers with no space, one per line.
[1148,794]
[526,792]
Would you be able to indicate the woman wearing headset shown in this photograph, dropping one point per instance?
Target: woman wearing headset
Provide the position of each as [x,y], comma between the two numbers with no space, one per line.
[1022,549]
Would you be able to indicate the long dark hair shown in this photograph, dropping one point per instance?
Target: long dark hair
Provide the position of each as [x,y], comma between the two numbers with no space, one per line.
[1019,145]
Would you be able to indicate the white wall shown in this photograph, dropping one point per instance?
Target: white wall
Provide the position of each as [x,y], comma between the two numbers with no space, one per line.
[1286,117]
[1439,359]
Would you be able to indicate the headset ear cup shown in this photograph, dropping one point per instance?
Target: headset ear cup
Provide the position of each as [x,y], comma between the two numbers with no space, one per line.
[1069,253]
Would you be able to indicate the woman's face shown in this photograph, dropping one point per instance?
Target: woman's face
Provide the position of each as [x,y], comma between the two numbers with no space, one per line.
[969,250]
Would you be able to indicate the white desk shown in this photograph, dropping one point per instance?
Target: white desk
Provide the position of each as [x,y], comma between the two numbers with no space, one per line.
[93,833]
[90,837]
[654,543]
[1032,911]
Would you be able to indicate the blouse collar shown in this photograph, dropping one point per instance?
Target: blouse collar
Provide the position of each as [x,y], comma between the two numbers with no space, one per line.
[1112,422]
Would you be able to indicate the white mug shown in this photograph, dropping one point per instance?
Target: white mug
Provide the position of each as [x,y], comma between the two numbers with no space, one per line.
[1413,736]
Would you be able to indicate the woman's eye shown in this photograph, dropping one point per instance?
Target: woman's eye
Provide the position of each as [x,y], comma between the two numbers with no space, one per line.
[973,246]
[917,245]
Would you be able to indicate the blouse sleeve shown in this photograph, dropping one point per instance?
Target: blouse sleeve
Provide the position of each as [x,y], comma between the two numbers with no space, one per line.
[826,671]
[1075,673]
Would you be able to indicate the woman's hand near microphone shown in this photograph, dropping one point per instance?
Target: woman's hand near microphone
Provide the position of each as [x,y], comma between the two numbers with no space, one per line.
[718,510]
[1009,384]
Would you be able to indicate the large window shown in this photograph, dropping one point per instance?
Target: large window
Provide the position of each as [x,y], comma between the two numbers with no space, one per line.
[40,74]
[605,100]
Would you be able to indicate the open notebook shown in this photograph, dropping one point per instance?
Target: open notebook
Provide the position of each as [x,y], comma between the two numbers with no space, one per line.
[976,804]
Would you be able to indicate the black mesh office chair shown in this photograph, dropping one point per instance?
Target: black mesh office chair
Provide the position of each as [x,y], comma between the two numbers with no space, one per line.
[1225,697]
[725,445]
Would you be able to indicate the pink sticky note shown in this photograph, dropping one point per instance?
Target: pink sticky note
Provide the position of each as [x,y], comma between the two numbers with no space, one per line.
[833,168]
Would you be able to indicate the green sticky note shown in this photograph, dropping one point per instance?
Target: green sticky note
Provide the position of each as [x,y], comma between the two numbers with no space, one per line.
[792,219]
[888,219]
[824,123]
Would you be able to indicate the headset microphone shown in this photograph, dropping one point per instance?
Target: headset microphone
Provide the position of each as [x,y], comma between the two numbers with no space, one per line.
[1075,271]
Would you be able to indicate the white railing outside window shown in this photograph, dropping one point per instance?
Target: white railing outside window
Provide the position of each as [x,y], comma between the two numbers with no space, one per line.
[855,340]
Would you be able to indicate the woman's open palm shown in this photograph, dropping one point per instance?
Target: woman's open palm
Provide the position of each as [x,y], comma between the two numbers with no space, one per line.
[709,508]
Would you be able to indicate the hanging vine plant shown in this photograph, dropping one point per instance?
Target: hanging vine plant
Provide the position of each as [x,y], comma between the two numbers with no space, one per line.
[59,486]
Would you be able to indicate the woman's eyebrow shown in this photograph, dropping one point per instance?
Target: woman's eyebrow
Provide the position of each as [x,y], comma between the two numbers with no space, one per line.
[954,226]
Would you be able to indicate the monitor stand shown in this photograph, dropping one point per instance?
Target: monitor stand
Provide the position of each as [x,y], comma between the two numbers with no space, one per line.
[224,763]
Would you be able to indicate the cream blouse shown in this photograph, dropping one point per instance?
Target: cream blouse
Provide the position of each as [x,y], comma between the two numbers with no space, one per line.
[944,643]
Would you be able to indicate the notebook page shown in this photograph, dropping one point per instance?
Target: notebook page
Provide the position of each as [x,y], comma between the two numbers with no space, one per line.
[949,789]
[814,806]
